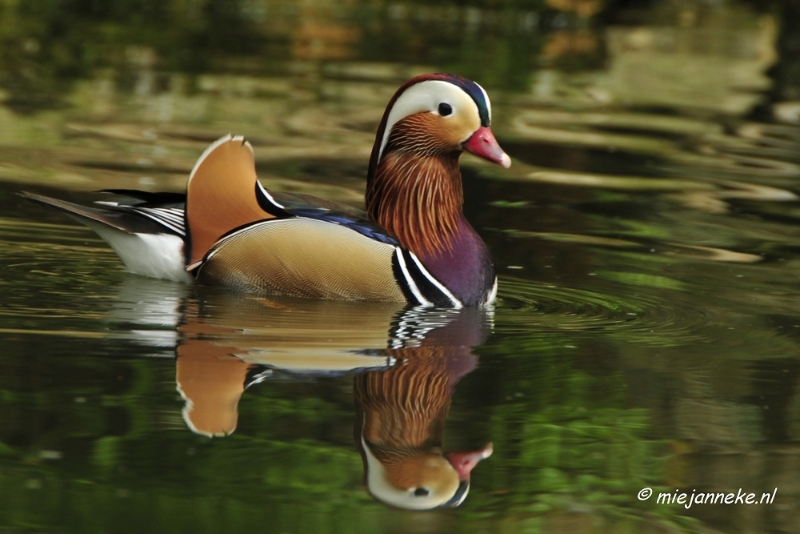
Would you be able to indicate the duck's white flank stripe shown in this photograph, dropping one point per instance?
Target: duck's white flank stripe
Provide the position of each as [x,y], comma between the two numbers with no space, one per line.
[409,280]
[266,194]
[434,281]
[216,246]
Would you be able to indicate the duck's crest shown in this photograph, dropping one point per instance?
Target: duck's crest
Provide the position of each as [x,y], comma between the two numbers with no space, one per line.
[223,194]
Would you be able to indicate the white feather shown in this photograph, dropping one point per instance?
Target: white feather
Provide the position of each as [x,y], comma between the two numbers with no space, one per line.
[491,298]
[453,300]
[426,96]
[155,255]
[409,279]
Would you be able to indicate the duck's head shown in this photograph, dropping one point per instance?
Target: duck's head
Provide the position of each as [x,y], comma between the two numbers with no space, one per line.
[438,114]
[421,481]
[414,185]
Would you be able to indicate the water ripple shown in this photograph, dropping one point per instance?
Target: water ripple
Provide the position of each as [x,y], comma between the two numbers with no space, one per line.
[544,308]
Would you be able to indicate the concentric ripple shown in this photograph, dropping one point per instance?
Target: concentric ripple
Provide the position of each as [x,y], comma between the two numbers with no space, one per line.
[528,307]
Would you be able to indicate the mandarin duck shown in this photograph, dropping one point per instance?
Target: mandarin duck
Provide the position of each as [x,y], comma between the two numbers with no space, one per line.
[412,244]
[401,412]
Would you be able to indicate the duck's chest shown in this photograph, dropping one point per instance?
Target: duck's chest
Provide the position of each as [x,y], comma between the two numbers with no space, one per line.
[465,269]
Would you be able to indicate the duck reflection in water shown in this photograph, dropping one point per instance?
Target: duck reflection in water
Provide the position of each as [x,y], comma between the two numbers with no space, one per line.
[402,393]
[400,412]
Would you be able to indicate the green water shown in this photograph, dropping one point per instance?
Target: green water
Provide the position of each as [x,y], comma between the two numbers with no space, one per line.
[646,238]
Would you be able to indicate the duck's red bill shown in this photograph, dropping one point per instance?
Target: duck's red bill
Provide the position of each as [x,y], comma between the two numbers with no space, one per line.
[464,462]
[483,144]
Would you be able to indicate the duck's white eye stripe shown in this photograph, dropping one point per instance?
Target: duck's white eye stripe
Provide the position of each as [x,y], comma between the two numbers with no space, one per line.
[426,96]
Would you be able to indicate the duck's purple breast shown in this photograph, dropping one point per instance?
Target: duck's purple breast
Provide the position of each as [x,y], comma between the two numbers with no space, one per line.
[466,269]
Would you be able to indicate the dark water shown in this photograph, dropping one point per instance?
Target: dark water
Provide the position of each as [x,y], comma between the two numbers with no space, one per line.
[647,238]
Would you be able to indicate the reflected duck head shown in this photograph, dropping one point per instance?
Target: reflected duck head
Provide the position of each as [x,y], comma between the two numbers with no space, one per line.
[424,480]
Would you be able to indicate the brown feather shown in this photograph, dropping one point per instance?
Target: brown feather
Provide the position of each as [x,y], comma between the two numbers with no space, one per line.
[415,192]
[221,196]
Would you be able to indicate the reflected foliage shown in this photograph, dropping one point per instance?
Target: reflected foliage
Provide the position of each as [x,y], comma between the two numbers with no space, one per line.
[569,441]
[46,44]
[498,53]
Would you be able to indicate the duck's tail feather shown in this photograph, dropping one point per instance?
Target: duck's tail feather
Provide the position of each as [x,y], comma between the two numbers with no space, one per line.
[144,246]
[119,220]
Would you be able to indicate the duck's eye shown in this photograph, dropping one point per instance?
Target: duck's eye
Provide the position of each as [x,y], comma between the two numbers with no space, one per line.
[422,492]
[445,109]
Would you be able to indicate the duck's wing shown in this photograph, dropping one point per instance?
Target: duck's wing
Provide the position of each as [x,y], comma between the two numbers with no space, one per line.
[286,205]
[222,196]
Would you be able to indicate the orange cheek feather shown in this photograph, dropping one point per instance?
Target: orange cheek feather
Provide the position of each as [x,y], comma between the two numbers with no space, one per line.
[428,470]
